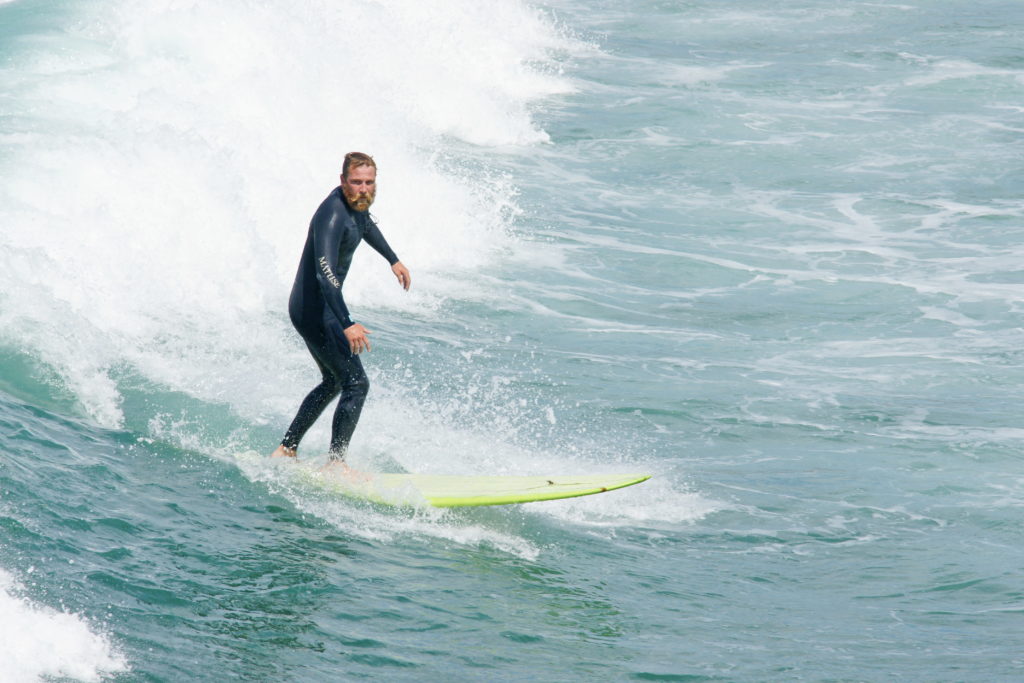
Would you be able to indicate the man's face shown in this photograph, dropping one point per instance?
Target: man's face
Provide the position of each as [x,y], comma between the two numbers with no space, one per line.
[360,187]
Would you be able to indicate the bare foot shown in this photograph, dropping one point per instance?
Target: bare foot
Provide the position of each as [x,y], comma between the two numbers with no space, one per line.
[341,468]
[283,452]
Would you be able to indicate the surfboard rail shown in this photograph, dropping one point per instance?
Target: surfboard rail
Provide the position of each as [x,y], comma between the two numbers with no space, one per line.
[443,491]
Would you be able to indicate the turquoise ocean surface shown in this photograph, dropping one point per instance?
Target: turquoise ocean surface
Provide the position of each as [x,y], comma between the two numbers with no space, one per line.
[771,253]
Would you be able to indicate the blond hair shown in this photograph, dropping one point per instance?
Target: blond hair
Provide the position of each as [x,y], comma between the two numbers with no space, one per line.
[355,160]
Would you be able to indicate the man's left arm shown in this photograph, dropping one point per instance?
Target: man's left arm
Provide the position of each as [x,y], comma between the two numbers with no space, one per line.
[375,239]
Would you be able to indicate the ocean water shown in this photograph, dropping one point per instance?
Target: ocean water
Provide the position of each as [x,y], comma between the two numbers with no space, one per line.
[769,252]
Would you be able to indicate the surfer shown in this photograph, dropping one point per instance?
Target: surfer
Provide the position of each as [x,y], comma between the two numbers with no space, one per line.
[318,311]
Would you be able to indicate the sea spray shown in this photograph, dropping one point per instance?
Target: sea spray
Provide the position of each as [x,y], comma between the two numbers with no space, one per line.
[169,157]
[41,643]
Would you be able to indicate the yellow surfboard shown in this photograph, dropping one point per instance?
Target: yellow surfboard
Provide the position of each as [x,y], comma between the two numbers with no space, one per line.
[443,490]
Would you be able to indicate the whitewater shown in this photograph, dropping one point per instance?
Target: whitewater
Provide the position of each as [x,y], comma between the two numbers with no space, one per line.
[769,253]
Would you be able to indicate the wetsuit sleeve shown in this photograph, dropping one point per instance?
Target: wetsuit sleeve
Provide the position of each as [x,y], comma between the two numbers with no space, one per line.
[326,243]
[376,240]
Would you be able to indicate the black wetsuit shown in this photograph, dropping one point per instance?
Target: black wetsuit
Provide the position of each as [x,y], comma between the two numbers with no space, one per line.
[318,312]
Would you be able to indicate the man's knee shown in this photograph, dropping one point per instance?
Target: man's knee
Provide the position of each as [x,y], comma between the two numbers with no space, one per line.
[359,386]
[332,384]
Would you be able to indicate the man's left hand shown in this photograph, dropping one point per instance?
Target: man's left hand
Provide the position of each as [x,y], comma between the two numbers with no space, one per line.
[402,273]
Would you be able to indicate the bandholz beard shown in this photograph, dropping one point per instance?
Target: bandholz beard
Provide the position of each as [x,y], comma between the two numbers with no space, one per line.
[360,201]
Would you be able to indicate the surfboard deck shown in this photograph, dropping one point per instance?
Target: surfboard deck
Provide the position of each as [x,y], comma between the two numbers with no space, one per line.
[443,490]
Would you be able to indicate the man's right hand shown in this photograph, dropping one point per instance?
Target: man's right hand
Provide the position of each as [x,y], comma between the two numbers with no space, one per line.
[358,341]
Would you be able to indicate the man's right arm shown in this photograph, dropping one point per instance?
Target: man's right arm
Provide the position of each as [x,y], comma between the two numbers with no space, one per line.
[326,241]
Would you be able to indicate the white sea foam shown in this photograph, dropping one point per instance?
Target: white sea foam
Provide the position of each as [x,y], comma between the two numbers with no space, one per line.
[169,155]
[843,227]
[696,75]
[40,643]
[655,503]
[956,69]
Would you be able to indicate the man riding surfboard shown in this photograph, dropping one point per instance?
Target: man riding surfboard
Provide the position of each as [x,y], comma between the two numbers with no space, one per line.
[318,311]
